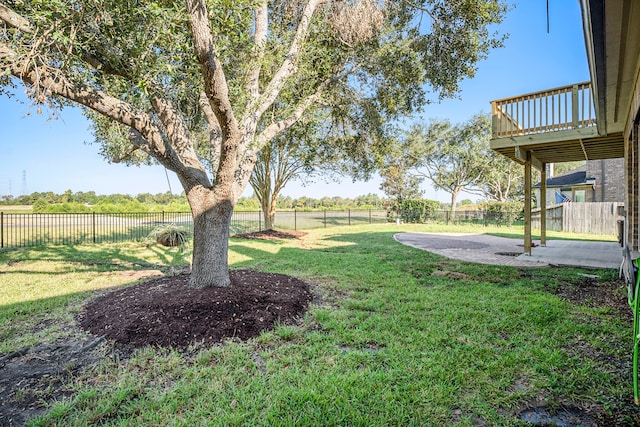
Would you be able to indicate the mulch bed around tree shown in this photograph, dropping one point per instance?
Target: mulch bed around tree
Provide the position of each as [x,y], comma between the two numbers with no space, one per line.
[167,312]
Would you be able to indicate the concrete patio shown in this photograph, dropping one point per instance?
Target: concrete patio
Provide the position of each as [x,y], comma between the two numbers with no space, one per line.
[487,249]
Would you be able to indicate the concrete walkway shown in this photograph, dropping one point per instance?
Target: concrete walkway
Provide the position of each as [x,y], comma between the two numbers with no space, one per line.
[486,249]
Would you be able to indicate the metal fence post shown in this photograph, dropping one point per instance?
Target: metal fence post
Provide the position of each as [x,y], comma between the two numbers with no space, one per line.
[93,226]
[163,217]
[1,229]
[295,219]
[349,216]
[259,220]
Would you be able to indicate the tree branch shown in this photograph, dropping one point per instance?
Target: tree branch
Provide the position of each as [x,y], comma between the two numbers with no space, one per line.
[107,105]
[215,133]
[423,9]
[126,154]
[217,90]
[260,42]
[177,132]
[14,20]
[275,128]
[215,82]
[257,107]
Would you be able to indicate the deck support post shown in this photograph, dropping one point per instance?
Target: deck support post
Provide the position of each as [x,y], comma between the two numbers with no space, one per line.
[527,204]
[543,205]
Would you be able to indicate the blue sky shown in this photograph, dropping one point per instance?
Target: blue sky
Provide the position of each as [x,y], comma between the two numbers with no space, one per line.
[38,154]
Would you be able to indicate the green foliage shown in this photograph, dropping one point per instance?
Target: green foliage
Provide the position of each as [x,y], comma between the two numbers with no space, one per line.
[418,210]
[167,202]
[80,202]
[399,184]
[453,157]
[377,65]
[566,167]
[40,206]
[503,213]
[502,180]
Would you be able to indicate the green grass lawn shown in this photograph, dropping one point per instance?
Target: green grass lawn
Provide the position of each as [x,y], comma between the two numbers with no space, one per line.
[396,337]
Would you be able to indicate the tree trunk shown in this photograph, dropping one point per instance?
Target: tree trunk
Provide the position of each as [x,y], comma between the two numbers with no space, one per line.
[454,200]
[272,210]
[267,213]
[211,221]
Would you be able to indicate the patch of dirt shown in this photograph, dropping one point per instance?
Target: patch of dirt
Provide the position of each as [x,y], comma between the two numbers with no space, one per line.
[167,312]
[593,293]
[565,417]
[450,275]
[271,234]
[31,377]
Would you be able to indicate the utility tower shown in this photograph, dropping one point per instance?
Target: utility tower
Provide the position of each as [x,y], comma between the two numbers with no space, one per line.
[24,182]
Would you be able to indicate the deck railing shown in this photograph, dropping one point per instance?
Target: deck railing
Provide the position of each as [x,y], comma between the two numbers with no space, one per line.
[564,108]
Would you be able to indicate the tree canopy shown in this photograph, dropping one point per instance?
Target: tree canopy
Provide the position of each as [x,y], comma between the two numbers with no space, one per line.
[457,157]
[202,86]
[453,157]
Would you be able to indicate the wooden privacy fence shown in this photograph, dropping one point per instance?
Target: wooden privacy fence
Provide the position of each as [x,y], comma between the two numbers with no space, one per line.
[588,217]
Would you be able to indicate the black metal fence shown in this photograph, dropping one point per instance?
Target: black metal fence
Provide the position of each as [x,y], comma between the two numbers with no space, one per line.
[36,229]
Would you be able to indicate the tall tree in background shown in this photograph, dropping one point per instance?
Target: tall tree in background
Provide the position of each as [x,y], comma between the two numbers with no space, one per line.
[399,184]
[201,87]
[277,163]
[502,179]
[453,157]
[566,167]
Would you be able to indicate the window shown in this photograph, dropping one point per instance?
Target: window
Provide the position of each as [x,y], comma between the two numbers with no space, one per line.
[579,196]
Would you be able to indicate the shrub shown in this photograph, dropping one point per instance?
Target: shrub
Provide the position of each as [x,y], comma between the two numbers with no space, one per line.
[504,213]
[40,206]
[418,210]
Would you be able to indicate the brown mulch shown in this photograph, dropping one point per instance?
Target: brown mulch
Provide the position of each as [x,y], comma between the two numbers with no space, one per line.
[271,234]
[167,312]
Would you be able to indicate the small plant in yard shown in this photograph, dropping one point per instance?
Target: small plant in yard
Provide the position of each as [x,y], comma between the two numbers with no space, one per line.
[169,235]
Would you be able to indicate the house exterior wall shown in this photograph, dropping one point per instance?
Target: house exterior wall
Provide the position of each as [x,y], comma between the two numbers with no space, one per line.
[609,175]
[632,168]
[631,198]
[610,184]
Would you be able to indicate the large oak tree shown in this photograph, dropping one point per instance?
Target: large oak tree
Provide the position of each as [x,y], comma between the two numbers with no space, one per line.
[453,157]
[201,86]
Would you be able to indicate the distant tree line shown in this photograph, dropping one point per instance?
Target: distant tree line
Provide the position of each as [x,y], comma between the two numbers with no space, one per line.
[147,202]
[90,201]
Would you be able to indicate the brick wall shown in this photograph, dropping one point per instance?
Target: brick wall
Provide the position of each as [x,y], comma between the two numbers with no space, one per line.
[610,180]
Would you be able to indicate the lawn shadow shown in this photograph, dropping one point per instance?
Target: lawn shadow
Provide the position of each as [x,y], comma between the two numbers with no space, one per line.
[94,258]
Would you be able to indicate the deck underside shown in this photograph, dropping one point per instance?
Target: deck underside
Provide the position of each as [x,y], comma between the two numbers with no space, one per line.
[561,146]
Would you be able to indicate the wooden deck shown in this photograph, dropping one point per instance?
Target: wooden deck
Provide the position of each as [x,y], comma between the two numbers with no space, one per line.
[552,126]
